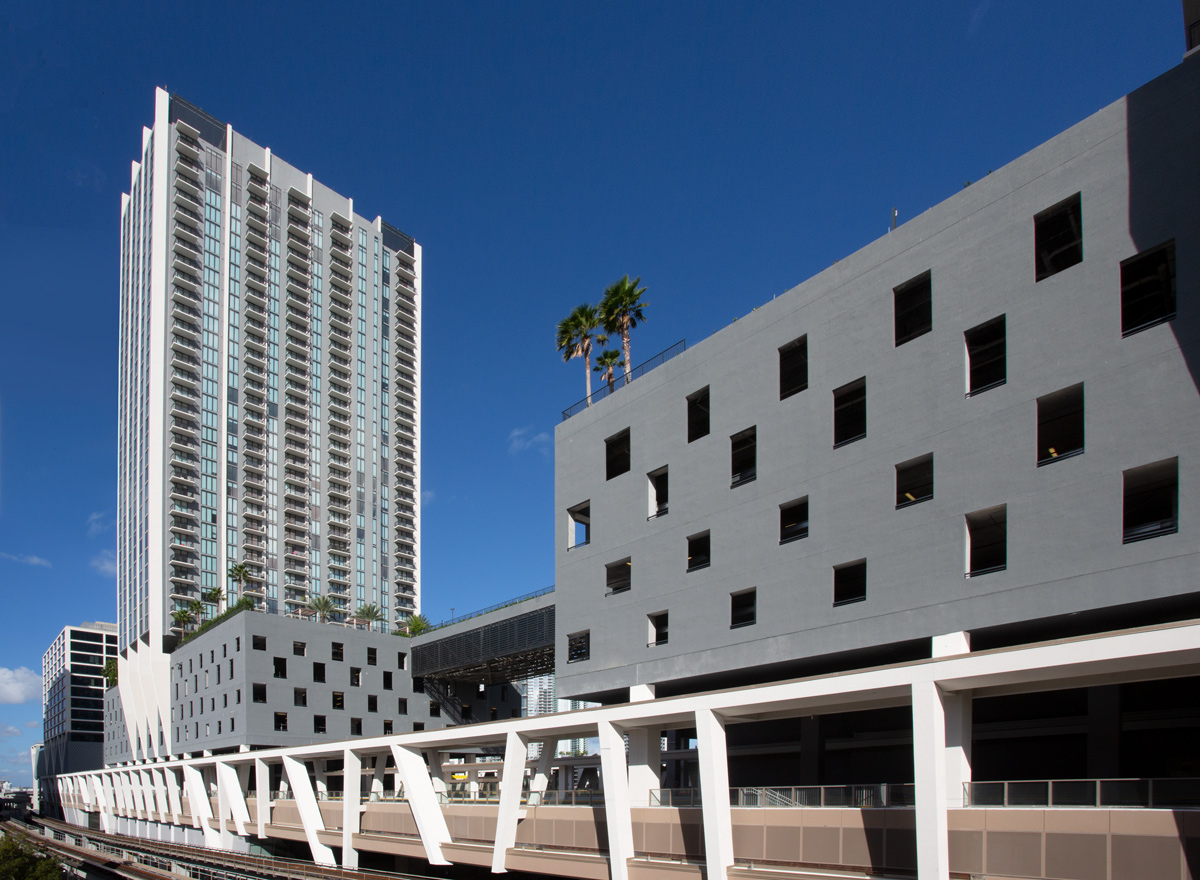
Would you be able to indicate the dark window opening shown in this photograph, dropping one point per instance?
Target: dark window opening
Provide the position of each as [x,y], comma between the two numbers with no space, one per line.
[743,457]
[372,703]
[1060,425]
[318,672]
[986,346]
[356,727]
[258,693]
[793,520]
[418,726]
[618,576]
[1151,501]
[579,646]
[371,657]
[388,727]
[1148,288]
[659,493]
[387,680]
[697,415]
[743,608]
[850,412]
[435,709]
[468,712]
[338,650]
[1058,237]
[258,643]
[280,667]
[299,697]
[355,677]
[698,551]
[298,649]
[793,367]
[987,534]
[281,721]
[914,481]
[850,582]
[579,525]
[401,706]
[658,629]
[494,713]
[913,308]
[616,455]
[418,684]
[339,700]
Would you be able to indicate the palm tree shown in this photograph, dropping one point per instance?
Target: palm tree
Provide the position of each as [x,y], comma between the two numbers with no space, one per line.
[621,310]
[322,606]
[606,363]
[196,609]
[239,573]
[415,625]
[213,596]
[182,617]
[370,614]
[575,336]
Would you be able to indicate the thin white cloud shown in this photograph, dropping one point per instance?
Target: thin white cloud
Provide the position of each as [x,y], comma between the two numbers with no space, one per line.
[25,560]
[98,523]
[521,439]
[19,685]
[7,730]
[105,562]
[427,496]
[32,724]
[977,17]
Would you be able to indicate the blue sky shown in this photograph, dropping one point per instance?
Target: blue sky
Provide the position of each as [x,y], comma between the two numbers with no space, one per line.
[724,152]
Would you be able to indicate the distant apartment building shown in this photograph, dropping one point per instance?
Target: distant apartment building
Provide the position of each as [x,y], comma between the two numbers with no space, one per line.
[268,402]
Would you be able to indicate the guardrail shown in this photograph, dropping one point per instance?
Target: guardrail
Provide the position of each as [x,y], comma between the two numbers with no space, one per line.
[856,796]
[1115,793]
[490,608]
[619,380]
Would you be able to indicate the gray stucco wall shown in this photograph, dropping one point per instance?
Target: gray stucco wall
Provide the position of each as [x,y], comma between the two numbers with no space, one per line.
[1134,165]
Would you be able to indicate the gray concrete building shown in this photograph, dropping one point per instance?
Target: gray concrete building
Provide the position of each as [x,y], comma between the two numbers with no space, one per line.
[986,421]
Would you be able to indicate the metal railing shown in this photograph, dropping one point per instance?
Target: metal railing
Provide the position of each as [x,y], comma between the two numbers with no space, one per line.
[619,381]
[1114,793]
[872,796]
[525,598]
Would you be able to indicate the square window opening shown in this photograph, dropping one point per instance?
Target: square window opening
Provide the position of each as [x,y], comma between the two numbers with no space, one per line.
[258,693]
[579,646]
[372,703]
[280,667]
[281,721]
[913,302]
[356,727]
[298,649]
[987,541]
[616,454]
[258,643]
[299,697]
[1058,237]
[435,709]
[793,367]
[793,520]
[337,650]
[618,576]
[339,700]
[914,481]
[743,608]
[699,547]
[1060,425]
[697,414]
[850,412]
[1148,288]
[659,493]
[579,525]
[743,458]
[1151,507]
[659,630]
[318,724]
[402,706]
[850,582]
[372,657]
[355,677]
[986,347]
[318,672]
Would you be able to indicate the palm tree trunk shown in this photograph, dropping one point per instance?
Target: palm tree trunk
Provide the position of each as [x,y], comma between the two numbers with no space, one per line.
[587,372]
[625,348]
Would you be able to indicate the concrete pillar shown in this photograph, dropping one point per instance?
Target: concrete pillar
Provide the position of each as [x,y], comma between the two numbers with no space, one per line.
[310,813]
[422,797]
[262,800]
[616,800]
[645,764]
[930,767]
[511,780]
[351,806]
[541,773]
[437,771]
[712,754]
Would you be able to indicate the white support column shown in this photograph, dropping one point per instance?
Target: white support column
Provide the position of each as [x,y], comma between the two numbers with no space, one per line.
[351,806]
[103,804]
[616,800]
[645,761]
[223,808]
[511,779]
[541,773]
[198,800]
[173,798]
[160,794]
[377,775]
[423,801]
[712,754]
[262,796]
[436,770]
[229,786]
[149,794]
[310,812]
[929,765]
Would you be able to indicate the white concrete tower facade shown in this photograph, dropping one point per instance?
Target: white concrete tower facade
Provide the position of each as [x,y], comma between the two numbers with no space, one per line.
[270,362]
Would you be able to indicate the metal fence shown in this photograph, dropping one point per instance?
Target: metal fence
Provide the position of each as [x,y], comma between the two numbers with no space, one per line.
[857,796]
[1116,793]
[619,380]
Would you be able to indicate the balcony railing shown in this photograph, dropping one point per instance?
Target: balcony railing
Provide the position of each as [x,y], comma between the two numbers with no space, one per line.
[620,381]
[1111,793]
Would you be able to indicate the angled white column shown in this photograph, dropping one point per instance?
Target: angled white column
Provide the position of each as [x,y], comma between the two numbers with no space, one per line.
[616,800]
[233,798]
[262,796]
[541,774]
[149,794]
[645,760]
[436,771]
[423,801]
[104,803]
[712,754]
[929,766]
[511,779]
[202,814]
[351,806]
[160,793]
[310,813]
[173,798]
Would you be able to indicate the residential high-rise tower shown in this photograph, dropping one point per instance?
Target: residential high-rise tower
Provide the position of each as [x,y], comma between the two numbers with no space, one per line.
[269,363]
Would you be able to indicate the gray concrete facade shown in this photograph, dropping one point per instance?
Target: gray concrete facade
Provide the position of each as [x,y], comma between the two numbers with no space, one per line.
[1133,166]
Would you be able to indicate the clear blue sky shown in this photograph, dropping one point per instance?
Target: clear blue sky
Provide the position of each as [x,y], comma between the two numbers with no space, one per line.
[724,152]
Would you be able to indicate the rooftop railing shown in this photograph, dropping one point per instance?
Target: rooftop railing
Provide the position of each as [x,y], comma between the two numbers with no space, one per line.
[619,380]
[1101,793]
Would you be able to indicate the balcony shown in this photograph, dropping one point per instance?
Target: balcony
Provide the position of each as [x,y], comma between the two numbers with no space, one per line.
[188,168]
[294,358]
[404,270]
[298,231]
[256,183]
